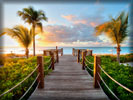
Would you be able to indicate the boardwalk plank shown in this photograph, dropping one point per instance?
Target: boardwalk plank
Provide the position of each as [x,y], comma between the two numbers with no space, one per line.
[68,82]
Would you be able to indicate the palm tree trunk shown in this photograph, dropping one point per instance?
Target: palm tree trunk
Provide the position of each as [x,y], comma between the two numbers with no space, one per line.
[33,30]
[27,53]
[118,53]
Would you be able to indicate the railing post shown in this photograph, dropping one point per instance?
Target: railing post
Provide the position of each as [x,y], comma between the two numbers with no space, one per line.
[73,52]
[49,52]
[83,60]
[52,60]
[57,56]
[40,71]
[90,52]
[61,51]
[44,52]
[97,61]
[78,57]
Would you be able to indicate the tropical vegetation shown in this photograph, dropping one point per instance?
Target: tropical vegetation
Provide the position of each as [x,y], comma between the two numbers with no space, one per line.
[116,30]
[22,35]
[33,17]
[14,71]
[121,73]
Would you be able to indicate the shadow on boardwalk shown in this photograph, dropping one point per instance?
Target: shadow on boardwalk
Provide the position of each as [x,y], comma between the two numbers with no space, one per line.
[68,82]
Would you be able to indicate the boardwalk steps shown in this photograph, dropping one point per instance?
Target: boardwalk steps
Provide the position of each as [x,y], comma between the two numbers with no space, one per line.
[68,82]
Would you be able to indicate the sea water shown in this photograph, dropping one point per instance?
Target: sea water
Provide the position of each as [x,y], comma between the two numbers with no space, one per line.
[68,50]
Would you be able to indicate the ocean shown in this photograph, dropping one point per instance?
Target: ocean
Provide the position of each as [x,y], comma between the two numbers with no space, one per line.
[68,50]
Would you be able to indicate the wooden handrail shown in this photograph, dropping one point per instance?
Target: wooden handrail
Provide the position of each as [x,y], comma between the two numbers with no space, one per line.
[54,51]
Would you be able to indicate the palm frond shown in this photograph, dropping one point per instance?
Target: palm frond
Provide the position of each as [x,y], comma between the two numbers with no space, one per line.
[39,25]
[21,34]
[2,34]
[116,29]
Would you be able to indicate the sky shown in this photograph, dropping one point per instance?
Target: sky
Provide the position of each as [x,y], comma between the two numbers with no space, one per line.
[69,25]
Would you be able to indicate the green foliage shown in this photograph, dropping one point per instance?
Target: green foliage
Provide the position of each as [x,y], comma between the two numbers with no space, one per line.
[123,58]
[90,59]
[13,72]
[121,73]
[126,58]
[115,29]
[2,60]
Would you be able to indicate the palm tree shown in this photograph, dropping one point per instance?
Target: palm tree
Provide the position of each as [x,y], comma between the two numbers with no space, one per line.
[2,34]
[33,17]
[116,30]
[22,35]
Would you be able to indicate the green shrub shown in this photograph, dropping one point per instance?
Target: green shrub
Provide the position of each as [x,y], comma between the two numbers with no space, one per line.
[13,72]
[121,73]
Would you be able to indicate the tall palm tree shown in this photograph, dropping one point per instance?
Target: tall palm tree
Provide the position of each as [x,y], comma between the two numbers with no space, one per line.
[33,17]
[116,30]
[22,35]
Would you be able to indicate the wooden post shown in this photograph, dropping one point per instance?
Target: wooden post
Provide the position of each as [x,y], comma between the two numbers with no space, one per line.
[44,53]
[57,56]
[61,51]
[97,61]
[90,52]
[56,47]
[83,60]
[78,57]
[40,71]
[52,60]
[85,53]
[49,52]
[73,52]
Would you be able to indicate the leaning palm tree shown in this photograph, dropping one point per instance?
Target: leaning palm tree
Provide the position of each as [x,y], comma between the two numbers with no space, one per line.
[116,30]
[2,34]
[33,17]
[22,35]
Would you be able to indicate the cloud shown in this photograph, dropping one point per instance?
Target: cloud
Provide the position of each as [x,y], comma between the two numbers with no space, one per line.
[60,33]
[93,24]
[68,17]
[51,22]
[81,28]
[88,20]
[80,32]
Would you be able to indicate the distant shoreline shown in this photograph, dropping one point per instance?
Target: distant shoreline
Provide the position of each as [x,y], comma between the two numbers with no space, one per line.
[68,50]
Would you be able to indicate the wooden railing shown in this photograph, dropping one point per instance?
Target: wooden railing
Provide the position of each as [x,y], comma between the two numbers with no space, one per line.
[39,78]
[79,53]
[55,52]
[97,69]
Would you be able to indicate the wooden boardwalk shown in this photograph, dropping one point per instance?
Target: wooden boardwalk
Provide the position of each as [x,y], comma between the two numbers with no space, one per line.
[68,82]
